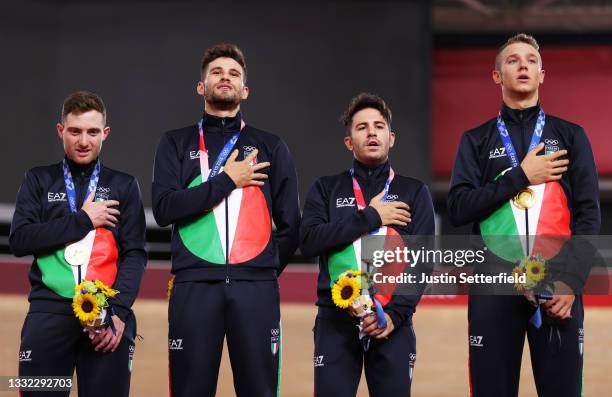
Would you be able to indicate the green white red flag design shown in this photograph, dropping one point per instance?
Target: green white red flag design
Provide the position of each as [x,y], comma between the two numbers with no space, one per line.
[547,223]
[61,277]
[249,227]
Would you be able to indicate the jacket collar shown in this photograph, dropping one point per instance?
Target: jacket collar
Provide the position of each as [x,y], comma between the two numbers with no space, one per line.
[519,116]
[218,124]
[80,169]
[365,172]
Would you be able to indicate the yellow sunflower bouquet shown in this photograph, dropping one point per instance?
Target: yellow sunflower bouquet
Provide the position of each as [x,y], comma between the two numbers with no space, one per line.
[90,303]
[350,291]
[534,269]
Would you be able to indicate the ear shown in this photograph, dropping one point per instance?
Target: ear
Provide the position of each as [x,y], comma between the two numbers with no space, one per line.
[497,77]
[542,73]
[200,88]
[59,127]
[105,133]
[245,92]
[391,139]
[348,142]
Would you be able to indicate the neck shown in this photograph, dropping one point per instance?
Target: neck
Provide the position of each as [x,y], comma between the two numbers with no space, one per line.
[211,109]
[516,100]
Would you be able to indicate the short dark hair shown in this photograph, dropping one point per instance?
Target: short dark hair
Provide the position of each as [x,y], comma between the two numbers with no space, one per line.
[364,101]
[517,38]
[81,102]
[223,50]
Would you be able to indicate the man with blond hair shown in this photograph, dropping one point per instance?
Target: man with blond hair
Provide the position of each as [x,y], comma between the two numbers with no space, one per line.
[526,173]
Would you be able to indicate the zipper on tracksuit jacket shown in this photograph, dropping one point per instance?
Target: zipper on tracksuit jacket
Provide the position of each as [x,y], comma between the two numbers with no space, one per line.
[227,269]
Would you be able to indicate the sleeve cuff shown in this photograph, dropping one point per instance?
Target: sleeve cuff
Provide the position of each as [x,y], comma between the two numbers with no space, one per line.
[83,220]
[517,178]
[573,281]
[372,218]
[395,317]
[121,312]
[226,184]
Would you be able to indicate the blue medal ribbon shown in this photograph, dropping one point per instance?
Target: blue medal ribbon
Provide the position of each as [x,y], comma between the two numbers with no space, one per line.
[70,190]
[225,152]
[507,142]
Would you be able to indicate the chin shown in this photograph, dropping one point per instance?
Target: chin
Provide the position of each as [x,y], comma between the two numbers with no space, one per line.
[371,160]
[82,160]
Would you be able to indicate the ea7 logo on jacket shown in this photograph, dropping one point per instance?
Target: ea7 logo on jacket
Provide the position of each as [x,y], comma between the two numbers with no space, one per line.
[25,355]
[175,344]
[497,152]
[345,202]
[476,340]
[194,154]
[54,197]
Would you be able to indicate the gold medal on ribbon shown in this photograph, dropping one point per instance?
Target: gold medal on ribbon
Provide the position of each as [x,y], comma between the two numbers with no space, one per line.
[75,254]
[525,199]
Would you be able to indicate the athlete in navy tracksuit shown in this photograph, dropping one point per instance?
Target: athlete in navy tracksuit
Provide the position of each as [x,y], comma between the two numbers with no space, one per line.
[332,221]
[52,340]
[225,256]
[497,324]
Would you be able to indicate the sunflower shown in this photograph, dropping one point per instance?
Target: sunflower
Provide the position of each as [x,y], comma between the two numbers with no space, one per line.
[85,307]
[345,290]
[170,286]
[535,269]
[516,272]
[105,289]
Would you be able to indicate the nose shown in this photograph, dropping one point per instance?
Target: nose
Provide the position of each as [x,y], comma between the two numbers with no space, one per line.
[371,131]
[82,139]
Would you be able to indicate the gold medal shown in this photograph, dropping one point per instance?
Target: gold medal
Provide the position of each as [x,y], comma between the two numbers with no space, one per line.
[524,199]
[75,254]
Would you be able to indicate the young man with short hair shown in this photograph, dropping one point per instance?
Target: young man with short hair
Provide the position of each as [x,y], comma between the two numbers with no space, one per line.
[220,183]
[335,219]
[80,200]
[532,174]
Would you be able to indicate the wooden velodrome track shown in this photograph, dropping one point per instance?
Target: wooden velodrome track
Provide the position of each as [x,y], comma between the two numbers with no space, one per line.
[441,328]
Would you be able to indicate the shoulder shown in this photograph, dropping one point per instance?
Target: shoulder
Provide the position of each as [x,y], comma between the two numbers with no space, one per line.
[327,183]
[270,139]
[180,134]
[481,131]
[567,126]
[43,172]
[412,185]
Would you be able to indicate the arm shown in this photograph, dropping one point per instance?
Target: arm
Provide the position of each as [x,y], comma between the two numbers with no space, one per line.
[318,235]
[403,305]
[285,203]
[172,202]
[468,201]
[30,235]
[576,258]
[132,254]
